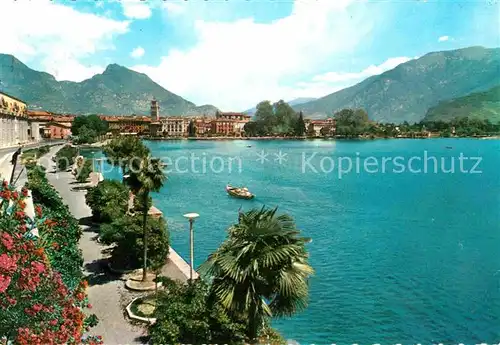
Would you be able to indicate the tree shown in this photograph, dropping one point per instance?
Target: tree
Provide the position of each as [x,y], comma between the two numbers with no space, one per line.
[83,172]
[65,157]
[300,126]
[126,233]
[351,122]
[261,270]
[108,200]
[184,316]
[192,129]
[88,128]
[145,177]
[123,151]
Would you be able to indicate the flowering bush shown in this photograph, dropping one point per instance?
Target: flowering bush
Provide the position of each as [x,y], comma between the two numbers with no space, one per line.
[59,228]
[36,306]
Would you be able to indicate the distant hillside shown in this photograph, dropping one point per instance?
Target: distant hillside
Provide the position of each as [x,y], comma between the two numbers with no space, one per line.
[292,103]
[118,90]
[406,92]
[479,105]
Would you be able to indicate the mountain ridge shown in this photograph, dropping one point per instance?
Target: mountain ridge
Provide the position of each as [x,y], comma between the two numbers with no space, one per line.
[116,91]
[406,92]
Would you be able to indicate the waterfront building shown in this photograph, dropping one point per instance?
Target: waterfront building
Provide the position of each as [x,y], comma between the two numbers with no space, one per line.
[230,123]
[203,125]
[314,127]
[15,127]
[174,126]
[137,125]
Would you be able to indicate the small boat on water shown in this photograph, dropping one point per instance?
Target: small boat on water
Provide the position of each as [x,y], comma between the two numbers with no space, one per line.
[241,193]
[449,147]
[249,145]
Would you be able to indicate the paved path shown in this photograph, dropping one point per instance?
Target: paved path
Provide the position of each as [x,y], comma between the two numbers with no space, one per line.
[106,294]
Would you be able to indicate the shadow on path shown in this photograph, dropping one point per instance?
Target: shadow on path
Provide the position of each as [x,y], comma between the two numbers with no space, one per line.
[89,224]
[99,273]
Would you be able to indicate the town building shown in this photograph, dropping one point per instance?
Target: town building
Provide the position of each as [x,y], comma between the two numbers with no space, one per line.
[229,123]
[203,125]
[15,127]
[155,110]
[174,126]
[137,125]
[49,125]
[325,127]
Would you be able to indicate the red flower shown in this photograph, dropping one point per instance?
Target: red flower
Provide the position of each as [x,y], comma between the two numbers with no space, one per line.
[19,215]
[5,184]
[7,263]
[4,283]
[7,241]
[38,267]
[38,210]
[89,306]
[24,191]
[15,195]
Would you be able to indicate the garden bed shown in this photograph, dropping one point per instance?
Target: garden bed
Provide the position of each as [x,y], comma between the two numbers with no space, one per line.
[143,309]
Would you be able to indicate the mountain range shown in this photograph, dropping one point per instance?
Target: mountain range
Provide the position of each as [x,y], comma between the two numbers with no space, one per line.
[408,91]
[436,85]
[116,91]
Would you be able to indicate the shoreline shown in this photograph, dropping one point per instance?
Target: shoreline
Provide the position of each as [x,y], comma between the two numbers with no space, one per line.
[493,137]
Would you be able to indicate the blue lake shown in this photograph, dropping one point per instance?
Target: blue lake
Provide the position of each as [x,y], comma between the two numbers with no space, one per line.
[400,257]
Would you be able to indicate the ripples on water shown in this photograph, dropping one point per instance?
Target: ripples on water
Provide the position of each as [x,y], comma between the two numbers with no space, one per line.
[399,258]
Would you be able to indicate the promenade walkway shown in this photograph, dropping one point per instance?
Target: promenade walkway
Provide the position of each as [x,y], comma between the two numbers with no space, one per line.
[106,293]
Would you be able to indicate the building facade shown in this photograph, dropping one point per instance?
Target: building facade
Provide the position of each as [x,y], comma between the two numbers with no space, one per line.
[230,123]
[174,126]
[326,127]
[15,127]
[128,124]
[49,125]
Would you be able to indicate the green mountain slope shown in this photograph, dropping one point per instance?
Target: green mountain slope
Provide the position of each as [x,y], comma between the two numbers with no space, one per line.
[117,91]
[479,105]
[406,92]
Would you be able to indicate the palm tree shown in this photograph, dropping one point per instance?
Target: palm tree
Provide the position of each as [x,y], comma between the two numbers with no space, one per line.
[125,151]
[146,176]
[261,270]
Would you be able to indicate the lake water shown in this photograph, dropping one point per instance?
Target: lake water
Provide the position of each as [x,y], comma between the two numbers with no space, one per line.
[400,257]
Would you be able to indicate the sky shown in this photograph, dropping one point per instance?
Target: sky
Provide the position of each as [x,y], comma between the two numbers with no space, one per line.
[236,53]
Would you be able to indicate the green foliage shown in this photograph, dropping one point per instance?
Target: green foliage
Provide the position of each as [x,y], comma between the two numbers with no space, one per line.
[123,151]
[62,232]
[108,200]
[88,129]
[300,126]
[83,172]
[261,270]
[127,233]
[351,122]
[192,129]
[475,106]
[185,316]
[65,157]
[276,119]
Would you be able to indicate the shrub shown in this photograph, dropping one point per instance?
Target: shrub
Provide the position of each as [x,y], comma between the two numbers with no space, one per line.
[36,306]
[126,233]
[65,157]
[185,316]
[83,172]
[62,231]
[108,200]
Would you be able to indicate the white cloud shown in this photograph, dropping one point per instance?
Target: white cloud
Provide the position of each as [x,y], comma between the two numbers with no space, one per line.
[342,77]
[236,64]
[60,43]
[136,9]
[137,52]
[327,83]
[443,38]
[173,8]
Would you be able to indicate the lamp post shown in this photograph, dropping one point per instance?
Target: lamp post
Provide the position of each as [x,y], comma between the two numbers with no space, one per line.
[191,217]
